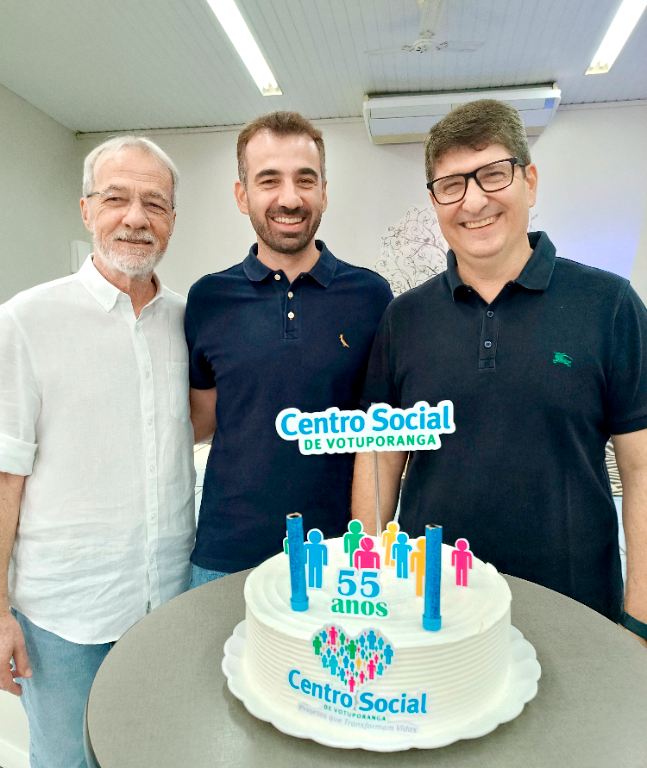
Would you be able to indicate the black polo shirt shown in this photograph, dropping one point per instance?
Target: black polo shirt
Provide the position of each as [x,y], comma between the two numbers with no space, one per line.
[539,379]
[267,345]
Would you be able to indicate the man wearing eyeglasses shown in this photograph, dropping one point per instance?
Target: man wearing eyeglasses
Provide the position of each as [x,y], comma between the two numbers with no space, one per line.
[96,450]
[543,359]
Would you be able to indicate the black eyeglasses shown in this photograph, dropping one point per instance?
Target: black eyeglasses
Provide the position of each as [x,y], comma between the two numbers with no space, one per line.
[490,178]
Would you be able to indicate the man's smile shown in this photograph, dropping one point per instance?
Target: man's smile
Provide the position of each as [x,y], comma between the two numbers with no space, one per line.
[480,223]
[288,219]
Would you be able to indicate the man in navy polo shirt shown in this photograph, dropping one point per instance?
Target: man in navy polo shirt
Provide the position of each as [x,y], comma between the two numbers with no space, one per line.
[543,359]
[291,326]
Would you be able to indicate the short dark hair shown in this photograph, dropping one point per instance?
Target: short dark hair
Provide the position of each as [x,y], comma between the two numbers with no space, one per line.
[477,125]
[281,124]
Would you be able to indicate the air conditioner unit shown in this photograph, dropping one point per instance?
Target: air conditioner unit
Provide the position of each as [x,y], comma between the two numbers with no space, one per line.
[407,119]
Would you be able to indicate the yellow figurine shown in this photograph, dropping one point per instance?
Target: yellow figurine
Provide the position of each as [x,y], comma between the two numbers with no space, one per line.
[388,537]
[418,565]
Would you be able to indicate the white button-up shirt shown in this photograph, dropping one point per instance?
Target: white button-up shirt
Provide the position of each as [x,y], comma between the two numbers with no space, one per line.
[94,407]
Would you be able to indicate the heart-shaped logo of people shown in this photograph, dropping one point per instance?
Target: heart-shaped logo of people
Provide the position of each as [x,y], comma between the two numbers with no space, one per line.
[354,660]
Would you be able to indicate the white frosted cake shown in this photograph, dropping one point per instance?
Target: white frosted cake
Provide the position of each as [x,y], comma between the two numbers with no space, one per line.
[351,674]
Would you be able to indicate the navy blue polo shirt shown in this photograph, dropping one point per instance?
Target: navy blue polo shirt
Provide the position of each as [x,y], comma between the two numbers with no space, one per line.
[267,345]
[539,379]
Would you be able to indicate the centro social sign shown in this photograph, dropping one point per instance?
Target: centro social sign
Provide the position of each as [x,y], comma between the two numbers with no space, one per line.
[381,428]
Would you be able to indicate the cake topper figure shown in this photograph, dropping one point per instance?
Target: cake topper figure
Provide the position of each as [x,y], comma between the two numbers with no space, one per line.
[365,557]
[400,550]
[462,559]
[418,564]
[316,557]
[388,537]
[352,538]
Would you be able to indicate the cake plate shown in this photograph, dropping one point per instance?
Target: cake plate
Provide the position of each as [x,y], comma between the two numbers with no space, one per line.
[522,687]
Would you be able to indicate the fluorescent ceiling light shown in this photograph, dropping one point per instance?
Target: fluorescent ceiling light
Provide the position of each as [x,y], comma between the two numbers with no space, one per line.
[234,25]
[621,27]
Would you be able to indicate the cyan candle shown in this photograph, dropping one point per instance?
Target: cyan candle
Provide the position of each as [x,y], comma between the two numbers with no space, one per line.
[434,540]
[297,554]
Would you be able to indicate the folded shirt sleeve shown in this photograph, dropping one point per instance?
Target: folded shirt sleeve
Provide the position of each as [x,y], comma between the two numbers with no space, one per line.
[19,398]
[626,409]
[201,376]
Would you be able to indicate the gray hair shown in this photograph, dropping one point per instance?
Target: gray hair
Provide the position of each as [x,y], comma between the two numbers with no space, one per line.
[112,146]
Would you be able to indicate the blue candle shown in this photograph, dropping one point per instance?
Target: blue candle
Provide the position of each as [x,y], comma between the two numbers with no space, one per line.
[297,553]
[434,539]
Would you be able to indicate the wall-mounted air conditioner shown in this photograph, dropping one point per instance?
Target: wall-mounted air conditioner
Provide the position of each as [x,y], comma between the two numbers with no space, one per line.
[407,119]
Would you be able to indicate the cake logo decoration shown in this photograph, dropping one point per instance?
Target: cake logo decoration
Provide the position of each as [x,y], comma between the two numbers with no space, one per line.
[359,587]
[354,661]
[381,428]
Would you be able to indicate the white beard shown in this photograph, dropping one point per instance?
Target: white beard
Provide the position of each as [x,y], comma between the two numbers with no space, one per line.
[130,261]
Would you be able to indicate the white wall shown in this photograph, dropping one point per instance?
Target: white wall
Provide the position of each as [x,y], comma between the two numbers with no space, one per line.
[592,193]
[639,271]
[592,163]
[39,191]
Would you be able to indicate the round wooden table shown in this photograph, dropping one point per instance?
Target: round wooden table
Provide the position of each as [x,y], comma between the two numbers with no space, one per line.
[160,699]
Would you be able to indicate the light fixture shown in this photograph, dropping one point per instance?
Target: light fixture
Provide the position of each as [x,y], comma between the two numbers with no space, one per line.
[621,27]
[234,25]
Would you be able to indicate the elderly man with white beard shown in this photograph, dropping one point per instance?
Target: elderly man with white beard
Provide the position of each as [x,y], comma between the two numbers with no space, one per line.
[97,518]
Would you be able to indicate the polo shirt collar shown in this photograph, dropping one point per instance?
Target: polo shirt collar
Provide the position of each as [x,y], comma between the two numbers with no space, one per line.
[535,276]
[323,271]
[539,268]
[105,293]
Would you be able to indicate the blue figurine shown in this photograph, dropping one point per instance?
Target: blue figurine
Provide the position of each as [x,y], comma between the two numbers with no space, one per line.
[316,557]
[400,550]
[388,654]
[371,637]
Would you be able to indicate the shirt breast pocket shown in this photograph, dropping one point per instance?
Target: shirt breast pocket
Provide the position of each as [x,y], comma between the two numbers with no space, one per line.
[178,383]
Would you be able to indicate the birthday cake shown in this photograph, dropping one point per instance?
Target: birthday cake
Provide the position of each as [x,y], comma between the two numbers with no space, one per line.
[357,668]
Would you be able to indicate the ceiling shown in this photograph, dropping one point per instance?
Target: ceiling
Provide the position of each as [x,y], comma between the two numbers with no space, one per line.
[104,65]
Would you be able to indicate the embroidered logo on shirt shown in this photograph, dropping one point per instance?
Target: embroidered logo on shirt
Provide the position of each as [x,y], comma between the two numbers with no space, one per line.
[341,338]
[564,359]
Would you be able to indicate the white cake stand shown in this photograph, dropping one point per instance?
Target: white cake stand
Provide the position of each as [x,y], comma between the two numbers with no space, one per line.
[522,687]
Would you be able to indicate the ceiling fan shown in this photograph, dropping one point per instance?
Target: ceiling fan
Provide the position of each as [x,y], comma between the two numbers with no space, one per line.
[431,12]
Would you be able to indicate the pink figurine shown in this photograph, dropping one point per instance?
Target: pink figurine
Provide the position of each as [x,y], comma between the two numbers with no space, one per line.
[351,683]
[462,559]
[365,557]
[371,669]
[333,636]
